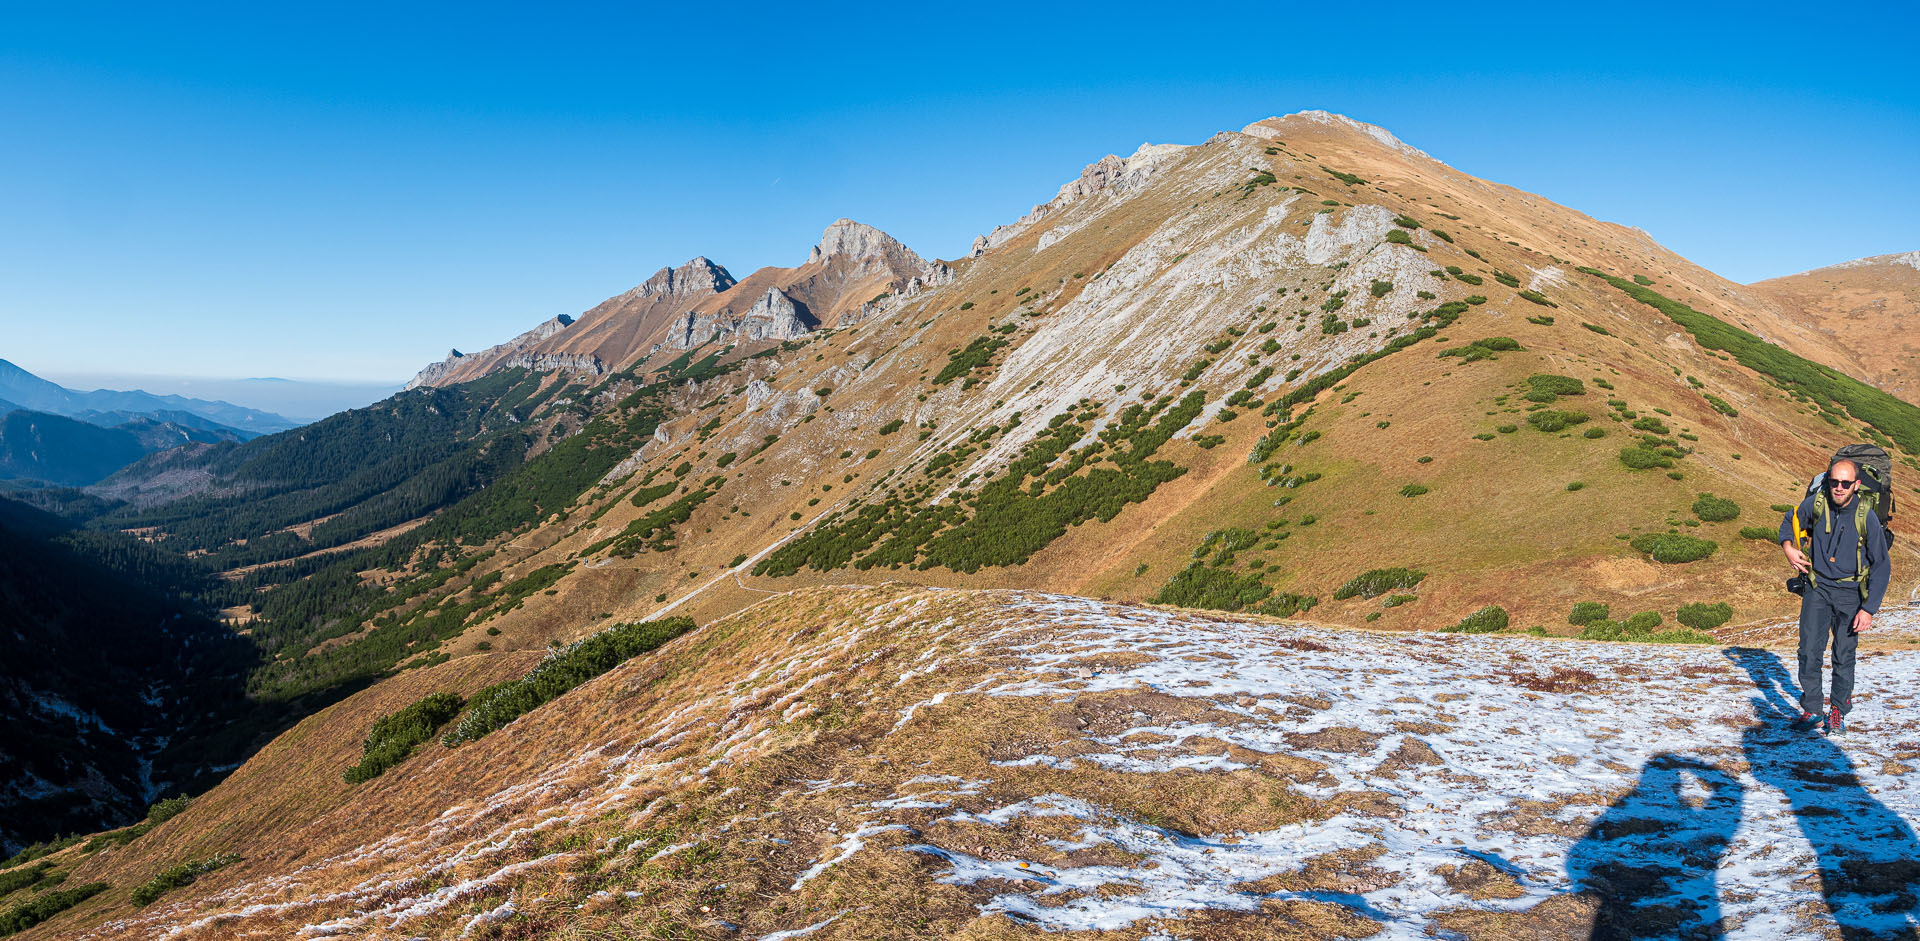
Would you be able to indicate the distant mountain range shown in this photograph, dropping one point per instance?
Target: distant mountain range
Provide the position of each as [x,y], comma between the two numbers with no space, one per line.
[53,434]
[28,391]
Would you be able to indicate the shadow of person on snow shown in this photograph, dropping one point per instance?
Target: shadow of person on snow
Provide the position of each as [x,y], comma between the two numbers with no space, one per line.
[1651,859]
[1868,857]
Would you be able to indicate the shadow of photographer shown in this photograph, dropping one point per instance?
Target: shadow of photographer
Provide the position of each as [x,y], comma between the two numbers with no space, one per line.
[1651,860]
[1867,856]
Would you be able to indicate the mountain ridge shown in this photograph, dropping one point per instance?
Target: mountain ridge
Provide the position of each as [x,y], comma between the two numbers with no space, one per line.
[1300,373]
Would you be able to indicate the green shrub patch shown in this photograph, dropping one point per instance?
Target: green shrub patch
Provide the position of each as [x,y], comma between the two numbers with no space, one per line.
[1551,420]
[1549,384]
[1376,582]
[1673,548]
[150,891]
[1638,458]
[962,362]
[1705,617]
[1482,348]
[1491,619]
[1587,612]
[1712,509]
[1616,631]
[395,736]
[36,910]
[492,708]
[1762,533]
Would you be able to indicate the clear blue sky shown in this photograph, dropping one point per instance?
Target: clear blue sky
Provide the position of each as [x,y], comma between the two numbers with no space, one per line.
[346,191]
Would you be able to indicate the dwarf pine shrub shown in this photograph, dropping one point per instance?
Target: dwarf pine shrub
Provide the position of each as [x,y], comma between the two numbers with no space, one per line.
[1552,384]
[19,878]
[1762,533]
[1638,458]
[1712,509]
[394,736]
[1673,548]
[564,669]
[1376,582]
[1643,622]
[168,808]
[1551,420]
[1705,617]
[1587,612]
[42,907]
[1491,619]
[149,891]
[1537,298]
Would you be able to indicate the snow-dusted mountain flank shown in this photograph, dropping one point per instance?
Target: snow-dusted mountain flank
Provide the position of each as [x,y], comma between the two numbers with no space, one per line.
[1431,526]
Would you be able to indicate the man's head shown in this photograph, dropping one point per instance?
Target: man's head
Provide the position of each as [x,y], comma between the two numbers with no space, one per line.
[1843,481]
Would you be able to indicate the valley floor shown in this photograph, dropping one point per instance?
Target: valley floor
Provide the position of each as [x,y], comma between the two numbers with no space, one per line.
[907,762]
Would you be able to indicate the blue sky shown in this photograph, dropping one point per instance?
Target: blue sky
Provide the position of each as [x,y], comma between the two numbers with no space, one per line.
[345,191]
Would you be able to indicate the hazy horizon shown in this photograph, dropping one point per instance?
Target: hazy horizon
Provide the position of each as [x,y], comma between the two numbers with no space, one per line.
[302,400]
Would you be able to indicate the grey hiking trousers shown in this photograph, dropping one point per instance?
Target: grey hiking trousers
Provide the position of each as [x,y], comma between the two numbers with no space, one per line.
[1826,612]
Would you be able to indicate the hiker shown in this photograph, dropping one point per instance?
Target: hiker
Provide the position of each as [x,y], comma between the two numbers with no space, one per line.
[1848,571]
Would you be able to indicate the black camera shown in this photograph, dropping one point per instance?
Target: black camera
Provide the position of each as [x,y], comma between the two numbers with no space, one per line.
[1799,584]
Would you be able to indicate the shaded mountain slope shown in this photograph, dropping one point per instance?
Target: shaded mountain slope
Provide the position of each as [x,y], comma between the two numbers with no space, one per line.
[105,664]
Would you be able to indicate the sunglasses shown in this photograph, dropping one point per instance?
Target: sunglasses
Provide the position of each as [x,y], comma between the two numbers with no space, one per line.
[1841,484]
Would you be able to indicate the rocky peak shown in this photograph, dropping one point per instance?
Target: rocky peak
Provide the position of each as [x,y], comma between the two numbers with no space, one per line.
[861,241]
[699,276]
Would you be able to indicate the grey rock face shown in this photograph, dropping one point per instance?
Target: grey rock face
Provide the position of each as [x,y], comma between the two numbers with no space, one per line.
[552,362]
[864,242]
[775,316]
[699,276]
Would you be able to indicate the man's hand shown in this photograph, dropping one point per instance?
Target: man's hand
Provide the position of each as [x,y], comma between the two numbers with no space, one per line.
[1796,558]
[1861,621]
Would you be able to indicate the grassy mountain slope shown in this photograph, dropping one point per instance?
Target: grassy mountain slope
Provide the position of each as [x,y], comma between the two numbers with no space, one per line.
[1237,375]
[1867,309]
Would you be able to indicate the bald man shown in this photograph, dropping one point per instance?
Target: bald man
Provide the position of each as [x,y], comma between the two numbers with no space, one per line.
[1847,558]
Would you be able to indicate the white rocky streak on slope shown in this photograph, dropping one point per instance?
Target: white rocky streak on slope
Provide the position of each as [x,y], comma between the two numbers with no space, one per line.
[1910,259]
[1179,289]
